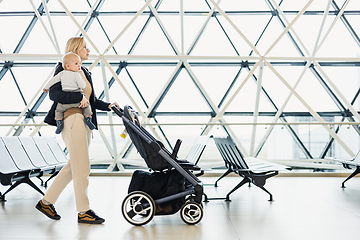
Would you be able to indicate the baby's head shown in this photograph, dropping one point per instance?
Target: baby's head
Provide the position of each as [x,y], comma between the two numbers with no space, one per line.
[71,62]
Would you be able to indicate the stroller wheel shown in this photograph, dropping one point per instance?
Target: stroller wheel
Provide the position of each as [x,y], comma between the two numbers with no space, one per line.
[191,212]
[138,208]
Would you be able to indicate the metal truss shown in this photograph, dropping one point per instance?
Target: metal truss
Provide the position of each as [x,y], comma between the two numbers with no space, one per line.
[252,65]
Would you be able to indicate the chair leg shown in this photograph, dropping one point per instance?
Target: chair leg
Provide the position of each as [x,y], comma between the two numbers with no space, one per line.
[17,183]
[2,198]
[245,180]
[32,184]
[51,177]
[357,171]
[271,197]
[42,181]
[9,189]
[223,175]
[206,199]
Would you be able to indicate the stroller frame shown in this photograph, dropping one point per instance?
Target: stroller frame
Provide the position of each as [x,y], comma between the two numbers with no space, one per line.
[139,207]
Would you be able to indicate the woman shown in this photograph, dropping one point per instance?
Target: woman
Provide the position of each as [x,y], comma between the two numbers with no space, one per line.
[76,136]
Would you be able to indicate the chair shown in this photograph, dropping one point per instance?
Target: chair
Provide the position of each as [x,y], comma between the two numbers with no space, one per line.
[350,164]
[257,173]
[15,166]
[25,157]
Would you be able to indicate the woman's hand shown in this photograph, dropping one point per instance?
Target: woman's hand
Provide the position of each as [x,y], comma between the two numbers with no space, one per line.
[84,102]
[114,104]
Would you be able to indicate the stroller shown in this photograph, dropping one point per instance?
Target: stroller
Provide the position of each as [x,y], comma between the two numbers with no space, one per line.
[169,187]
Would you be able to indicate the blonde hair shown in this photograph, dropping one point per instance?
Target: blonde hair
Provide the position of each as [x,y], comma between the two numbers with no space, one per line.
[68,57]
[75,44]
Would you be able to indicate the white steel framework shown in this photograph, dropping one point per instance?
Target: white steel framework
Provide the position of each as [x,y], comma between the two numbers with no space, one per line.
[279,56]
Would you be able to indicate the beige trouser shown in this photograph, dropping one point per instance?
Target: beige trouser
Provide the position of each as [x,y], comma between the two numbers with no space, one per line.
[76,137]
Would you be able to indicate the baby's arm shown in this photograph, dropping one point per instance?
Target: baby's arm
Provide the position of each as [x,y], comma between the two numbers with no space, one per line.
[57,95]
[52,81]
[80,81]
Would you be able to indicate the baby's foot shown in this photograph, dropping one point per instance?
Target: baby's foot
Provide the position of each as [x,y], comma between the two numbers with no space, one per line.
[60,126]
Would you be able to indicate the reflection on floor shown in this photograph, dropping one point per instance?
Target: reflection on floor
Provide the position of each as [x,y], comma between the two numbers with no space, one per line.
[304,208]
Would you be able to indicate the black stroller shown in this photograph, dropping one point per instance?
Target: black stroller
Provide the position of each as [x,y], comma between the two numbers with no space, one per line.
[169,187]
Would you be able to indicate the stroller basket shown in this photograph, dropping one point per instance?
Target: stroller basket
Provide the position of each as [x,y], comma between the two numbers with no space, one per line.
[145,200]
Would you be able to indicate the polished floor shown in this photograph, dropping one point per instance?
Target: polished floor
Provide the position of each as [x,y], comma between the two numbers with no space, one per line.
[303,208]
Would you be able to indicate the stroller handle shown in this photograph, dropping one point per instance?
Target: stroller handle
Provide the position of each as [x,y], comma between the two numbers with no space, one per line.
[118,111]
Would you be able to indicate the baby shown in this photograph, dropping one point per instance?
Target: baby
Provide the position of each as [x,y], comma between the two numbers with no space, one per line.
[71,81]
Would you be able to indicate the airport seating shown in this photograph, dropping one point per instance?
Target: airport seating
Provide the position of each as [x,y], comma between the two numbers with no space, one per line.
[22,158]
[253,170]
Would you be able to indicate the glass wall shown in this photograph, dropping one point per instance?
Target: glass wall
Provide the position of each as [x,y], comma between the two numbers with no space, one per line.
[280,77]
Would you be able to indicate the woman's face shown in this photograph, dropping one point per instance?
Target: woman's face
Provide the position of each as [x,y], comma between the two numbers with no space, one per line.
[84,53]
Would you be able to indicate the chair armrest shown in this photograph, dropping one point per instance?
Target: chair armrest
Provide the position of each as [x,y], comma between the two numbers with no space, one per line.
[176,149]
